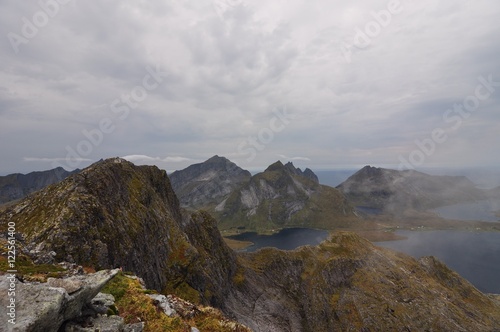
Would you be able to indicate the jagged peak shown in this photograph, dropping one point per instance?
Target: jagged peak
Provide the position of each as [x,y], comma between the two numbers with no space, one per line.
[290,168]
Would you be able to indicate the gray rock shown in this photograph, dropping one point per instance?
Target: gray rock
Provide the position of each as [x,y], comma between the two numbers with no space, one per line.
[103,299]
[101,324]
[194,329]
[137,327]
[71,285]
[41,307]
[162,302]
[101,303]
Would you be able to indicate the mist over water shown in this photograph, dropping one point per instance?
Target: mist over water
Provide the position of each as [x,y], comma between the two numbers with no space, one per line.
[483,178]
[474,255]
[476,211]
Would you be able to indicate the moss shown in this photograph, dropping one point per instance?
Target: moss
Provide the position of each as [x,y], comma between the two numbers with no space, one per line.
[239,277]
[133,305]
[117,286]
[183,290]
[112,311]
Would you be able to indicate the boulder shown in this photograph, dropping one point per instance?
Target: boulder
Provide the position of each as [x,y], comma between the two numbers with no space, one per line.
[42,307]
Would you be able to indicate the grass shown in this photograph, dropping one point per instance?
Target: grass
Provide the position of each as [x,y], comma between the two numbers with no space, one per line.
[134,306]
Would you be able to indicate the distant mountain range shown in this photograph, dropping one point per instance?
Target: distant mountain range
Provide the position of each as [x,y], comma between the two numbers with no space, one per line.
[395,191]
[281,196]
[17,186]
[115,214]
[285,196]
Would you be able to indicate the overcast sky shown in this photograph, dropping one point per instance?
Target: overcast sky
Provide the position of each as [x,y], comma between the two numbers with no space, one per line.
[325,84]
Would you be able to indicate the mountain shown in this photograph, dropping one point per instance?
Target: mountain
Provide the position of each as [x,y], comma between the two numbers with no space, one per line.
[284,196]
[16,186]
[116,214]
[207,183]
[397,191]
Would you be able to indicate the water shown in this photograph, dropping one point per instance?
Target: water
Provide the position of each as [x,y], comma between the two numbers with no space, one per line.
[334,177]
[478,211]
[286,239]
[474,255]
[368,210]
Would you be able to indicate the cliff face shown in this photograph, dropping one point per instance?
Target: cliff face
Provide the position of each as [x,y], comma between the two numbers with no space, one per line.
[283,196]
[396,191]
[17,186]
[117,214]
[207,183]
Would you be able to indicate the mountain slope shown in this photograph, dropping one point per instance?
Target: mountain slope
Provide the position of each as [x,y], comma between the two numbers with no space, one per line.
[280,197]
[16,186]
[116,214]
[396,191]
[348,284]
[207,183]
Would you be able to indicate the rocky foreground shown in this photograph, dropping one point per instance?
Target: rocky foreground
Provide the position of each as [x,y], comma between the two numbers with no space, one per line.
[115,214]
[99,302]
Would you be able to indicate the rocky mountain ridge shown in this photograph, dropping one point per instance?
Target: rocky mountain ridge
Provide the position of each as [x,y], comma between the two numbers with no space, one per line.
[114,214]
[281,196]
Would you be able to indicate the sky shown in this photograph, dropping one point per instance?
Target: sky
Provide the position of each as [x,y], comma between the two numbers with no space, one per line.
[324,84]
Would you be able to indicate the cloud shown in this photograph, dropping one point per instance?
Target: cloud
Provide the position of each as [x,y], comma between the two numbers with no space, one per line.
[229,67]
[294,158]
[142,158]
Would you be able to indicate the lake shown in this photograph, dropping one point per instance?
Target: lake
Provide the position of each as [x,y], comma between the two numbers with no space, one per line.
[478,211]
[474,255]
[286,239]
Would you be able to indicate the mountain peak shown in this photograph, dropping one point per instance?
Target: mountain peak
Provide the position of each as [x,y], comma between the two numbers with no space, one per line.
[395,191]
[217,159]
[207,182]
[289,166]
[275,166]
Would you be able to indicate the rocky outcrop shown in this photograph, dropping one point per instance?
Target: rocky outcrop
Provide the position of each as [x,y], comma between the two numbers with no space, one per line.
[284,196]
[208,183]
[397,191]
[47,307]
[17,186]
